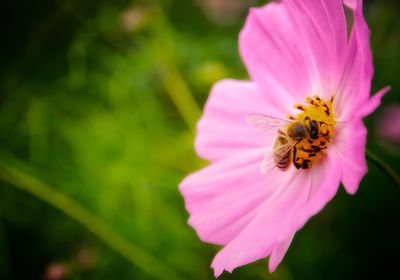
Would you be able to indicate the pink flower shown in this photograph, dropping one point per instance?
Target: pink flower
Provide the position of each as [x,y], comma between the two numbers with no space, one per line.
[292,49]
[55,271]
[388,124]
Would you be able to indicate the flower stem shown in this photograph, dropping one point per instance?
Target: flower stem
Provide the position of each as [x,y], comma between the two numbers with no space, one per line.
[164,49]
[130,251]
[384,167]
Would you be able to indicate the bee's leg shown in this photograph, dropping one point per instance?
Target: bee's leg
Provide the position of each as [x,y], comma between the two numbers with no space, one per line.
[306,164]
[296,159]
[298,165]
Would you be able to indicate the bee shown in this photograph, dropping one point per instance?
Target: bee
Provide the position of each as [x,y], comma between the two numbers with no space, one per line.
[297,141]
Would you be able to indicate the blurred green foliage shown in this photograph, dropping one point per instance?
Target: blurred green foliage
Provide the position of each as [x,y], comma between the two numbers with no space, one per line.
[99,101]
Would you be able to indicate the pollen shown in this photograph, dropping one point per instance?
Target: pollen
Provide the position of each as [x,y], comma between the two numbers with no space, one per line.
[319,119]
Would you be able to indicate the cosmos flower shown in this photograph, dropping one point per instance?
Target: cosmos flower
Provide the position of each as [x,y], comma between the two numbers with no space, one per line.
[55,271]
[310,90]
[388,124]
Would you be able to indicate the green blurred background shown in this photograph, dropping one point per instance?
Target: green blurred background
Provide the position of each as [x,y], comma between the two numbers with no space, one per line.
[98,106]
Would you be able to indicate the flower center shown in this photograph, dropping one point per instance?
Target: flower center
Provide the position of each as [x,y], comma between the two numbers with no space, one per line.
[318,120]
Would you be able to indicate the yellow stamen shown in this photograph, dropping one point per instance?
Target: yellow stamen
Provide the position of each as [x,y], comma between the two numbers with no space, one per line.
[317,116]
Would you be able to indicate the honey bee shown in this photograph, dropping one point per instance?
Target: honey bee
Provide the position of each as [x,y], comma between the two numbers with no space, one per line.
[297,141]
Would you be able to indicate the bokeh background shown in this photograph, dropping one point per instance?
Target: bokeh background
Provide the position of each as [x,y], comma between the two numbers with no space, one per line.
[98,106]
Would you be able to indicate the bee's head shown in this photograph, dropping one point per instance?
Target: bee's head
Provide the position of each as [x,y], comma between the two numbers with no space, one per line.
[312,127]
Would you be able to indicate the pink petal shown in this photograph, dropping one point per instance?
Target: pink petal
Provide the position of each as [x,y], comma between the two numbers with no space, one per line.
[355,84]
[353,4]
[223,197]
[325,174]
[222,131]
[320,27]
[296,199]
[352,99]
[349,145]
[278,253]
[325,179]
[295,48]
[373,102]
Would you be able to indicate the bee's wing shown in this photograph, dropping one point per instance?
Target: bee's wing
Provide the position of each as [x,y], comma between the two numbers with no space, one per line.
[276,155]
[266,123]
